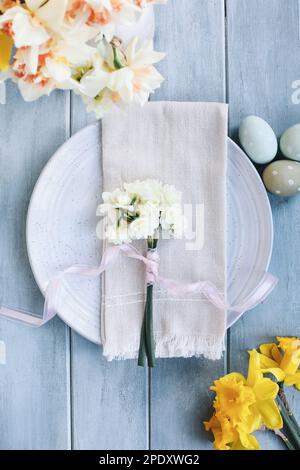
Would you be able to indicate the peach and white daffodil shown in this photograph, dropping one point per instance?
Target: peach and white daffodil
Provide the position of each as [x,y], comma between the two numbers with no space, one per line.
[50,13]
[70,44]
[146,79]
[25,30]
[119,78]
[105,15]
[103,103]
[137,61]
[282,360]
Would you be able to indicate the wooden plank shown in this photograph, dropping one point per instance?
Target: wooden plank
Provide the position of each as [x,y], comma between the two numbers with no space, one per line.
[263,45]
[109,400]
[192,33]
[34,381]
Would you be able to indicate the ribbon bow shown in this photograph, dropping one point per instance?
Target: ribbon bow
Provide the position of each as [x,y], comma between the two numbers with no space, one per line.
[151,261]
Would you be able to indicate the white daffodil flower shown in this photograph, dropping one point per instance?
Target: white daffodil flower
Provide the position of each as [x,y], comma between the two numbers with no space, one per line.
[51,13]
[32,91]
[144,54]
[120,83]
[125,11]
[25,31]
[103,103]
[146,78]
[95,80]
[133,82]
[28,56]
[56,69]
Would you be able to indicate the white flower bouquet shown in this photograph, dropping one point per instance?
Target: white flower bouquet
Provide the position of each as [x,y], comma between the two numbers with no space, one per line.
[72,45]
[144,210]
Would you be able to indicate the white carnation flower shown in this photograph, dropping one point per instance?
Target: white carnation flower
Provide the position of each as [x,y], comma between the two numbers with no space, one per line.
[141,209]
[146,225]
[118,234]
[147,191]
[118,199]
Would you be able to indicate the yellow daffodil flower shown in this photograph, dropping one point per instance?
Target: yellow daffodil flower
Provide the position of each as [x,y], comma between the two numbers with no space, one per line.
[282,360]
[242,406]
[233,397]
[226,437]
[265,391]
[6,46]
[223,431]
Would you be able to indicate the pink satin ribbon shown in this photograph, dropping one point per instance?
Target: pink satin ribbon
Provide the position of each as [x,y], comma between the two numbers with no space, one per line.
[151,261]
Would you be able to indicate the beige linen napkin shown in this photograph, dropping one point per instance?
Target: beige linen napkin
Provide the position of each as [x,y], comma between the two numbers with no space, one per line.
[184,144]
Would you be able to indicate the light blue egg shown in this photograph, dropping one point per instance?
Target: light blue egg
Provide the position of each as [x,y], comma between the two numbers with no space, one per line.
[258,139]
[290,143]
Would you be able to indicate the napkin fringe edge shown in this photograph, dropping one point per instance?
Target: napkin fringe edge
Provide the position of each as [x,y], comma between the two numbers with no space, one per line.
[176,346]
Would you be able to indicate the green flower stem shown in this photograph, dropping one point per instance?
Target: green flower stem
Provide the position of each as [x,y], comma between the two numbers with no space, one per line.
[147,343]
[285,403]
[289,426]
[150,345]
[147,346]
[283,437]
[118,65]
[142,350]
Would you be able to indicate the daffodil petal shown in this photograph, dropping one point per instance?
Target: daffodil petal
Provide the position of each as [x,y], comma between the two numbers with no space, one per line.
[52,13]
[266,349]
[254,372]
[293,379]
[288,343]
[56,70]
[26,32]
[270,414]
[278,373]
[34,4]
[237,445]
[252,422]
[266,389]
[236,375]
[267,362]
[6,46]
[276,354]
[290,361]
[223,432]
[249,442]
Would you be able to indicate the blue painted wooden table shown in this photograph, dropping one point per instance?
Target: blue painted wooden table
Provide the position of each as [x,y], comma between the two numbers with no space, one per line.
[56,390]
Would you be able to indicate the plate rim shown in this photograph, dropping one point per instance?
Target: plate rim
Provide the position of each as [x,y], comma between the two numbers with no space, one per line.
[57,153]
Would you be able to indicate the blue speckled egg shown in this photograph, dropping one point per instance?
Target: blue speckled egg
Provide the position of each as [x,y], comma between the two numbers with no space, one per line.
[258,139]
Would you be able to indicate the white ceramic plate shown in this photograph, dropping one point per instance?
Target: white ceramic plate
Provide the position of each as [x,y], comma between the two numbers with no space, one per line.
[61,227]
